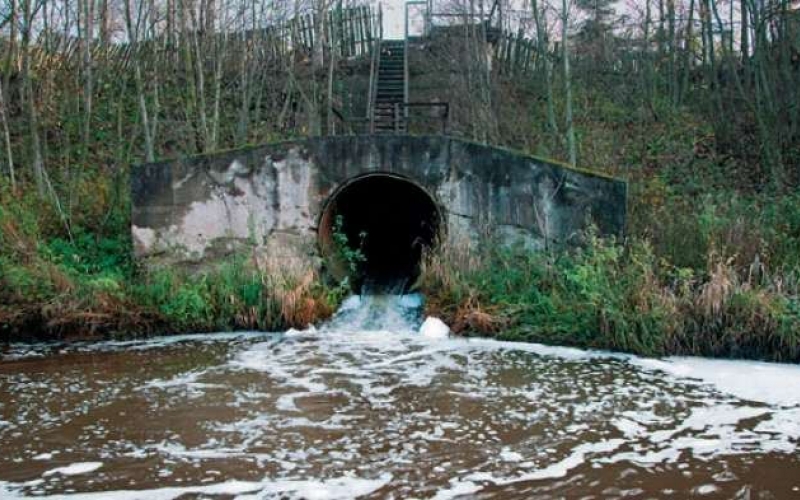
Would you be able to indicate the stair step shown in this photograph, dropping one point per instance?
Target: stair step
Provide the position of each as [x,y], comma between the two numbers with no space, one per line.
[390,92]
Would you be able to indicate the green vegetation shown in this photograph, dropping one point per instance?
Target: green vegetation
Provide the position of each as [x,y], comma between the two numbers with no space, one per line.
[87,285]
[605,295]
[698,112]
[352,259]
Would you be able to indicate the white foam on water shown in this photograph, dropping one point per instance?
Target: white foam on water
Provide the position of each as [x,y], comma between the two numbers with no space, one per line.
[510,456]
[577,457]
[770,383]
[18,351]
[705,489]
[188,380]
[179,451]
[457,489]
[75,469]
[343,488]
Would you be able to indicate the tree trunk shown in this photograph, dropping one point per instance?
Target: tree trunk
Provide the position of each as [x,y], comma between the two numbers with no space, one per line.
[30,101]
[133,37]
[544,55]
[105,23]
[7,138]
[570,129]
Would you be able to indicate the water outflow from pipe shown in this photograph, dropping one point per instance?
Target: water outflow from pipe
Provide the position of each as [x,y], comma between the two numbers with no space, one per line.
[379,308]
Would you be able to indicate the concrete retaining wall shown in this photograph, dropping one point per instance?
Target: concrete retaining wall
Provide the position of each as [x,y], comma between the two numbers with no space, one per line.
[269,198]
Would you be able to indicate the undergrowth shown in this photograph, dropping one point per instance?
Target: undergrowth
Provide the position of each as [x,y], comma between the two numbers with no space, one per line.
[609,296]
[88,286]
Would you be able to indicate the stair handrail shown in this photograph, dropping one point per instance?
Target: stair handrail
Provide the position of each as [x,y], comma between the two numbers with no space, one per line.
[348,123]
[375,64]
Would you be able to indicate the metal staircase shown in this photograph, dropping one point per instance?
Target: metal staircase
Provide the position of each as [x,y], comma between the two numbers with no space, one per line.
[390,97]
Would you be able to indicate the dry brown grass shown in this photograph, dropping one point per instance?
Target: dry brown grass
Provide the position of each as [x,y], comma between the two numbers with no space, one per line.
[471,316]
[295,283]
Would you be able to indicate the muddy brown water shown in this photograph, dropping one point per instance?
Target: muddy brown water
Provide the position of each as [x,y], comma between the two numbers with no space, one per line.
[364,412]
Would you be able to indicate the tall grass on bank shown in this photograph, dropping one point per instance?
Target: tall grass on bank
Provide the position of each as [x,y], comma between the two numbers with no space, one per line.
[610,296]
[88,286]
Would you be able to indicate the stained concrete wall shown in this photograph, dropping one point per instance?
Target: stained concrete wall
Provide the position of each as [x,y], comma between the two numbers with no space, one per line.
[270,197]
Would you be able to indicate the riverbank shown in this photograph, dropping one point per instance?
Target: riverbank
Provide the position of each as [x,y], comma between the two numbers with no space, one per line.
[713,272]
[87,286]
[629,297]
[622,298]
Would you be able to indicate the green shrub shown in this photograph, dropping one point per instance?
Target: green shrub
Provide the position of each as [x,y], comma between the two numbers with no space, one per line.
[608,296]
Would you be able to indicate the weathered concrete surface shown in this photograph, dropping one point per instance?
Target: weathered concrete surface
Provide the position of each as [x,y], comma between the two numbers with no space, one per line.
[270,197]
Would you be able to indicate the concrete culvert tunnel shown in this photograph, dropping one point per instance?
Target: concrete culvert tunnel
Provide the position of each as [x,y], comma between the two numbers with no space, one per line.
[392,220]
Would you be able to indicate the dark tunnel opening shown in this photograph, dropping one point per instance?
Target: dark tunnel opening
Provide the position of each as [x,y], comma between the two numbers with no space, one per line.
[390,219]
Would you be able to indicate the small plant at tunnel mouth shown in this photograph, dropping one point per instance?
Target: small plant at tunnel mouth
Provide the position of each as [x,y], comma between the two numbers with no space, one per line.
[353,259]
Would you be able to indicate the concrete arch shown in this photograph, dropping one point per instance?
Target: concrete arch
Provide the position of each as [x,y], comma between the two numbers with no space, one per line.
[271,200]
[390,217]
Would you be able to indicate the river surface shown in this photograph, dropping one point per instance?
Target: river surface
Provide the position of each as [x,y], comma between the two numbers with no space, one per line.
[367,407]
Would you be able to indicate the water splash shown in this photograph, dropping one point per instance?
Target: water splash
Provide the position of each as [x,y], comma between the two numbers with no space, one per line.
[388,312]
